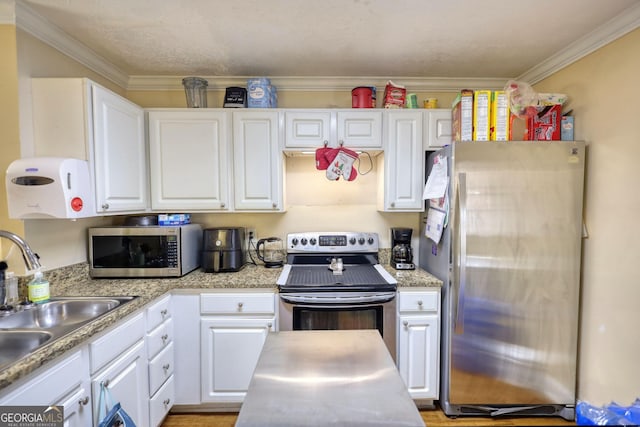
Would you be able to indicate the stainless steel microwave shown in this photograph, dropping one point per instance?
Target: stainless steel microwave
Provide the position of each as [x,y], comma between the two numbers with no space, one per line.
[144,251]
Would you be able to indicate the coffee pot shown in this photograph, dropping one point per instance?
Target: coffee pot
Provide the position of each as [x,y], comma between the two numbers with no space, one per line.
[401,253]
[271,252]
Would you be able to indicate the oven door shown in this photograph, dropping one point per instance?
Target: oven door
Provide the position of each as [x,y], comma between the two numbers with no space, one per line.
[336,311]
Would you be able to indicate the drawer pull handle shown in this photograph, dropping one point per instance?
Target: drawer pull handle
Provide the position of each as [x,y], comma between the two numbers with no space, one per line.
[166,367]
[166,402]
[164,312]
[84,401]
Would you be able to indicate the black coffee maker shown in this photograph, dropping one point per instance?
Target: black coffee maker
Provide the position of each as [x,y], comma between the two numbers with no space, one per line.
[401,254]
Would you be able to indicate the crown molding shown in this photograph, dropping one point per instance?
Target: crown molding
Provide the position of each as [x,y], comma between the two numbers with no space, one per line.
[33,23]
[28,20]
[615,28]
[321,83]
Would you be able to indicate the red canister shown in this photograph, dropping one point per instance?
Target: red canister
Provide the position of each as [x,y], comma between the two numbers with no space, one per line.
[362,97]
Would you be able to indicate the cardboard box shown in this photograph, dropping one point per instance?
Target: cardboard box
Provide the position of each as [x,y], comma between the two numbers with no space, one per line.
[462,116]
[174,219]
[545,126]
[500,119]
[566,131]
[481,115]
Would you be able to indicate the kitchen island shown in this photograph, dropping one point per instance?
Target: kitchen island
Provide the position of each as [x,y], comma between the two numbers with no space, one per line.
[344,378]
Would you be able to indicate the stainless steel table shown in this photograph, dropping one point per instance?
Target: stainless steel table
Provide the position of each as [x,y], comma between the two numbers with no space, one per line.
[309,378]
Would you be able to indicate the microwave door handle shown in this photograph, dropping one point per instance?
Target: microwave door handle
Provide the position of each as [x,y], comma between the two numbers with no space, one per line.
[462,230]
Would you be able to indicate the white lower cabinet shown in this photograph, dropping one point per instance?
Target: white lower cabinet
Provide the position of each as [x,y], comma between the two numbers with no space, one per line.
[186,373]
[118,359]
[419,342]
[66,383]
[233,329]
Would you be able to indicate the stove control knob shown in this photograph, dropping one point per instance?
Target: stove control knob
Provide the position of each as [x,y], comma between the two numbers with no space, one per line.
[303,241]
[313,241]
[361,240]
[352,241]
[294,241]
[370,240]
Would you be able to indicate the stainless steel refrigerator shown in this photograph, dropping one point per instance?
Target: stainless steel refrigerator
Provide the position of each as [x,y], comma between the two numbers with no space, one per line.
[509,256]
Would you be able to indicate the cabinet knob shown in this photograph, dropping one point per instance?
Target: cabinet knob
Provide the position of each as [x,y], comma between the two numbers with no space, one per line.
[105,383]
[222,205]
[84,401]
[275,206]
[166,402]
[166,367]
[393,204]
[105,206]
[240,304]
[164,312]
[405,323]
[420,303]
[164,338]
[269,325]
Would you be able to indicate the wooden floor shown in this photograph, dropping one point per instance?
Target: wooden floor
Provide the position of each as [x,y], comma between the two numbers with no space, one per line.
[432,418]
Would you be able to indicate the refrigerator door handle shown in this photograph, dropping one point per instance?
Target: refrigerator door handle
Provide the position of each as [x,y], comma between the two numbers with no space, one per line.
[462,276]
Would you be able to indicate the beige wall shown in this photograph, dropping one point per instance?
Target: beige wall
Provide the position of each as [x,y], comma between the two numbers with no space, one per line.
[604,94]
[9,132]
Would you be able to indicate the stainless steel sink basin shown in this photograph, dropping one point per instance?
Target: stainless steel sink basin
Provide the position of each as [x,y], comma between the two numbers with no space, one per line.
[27,330]
[17,343]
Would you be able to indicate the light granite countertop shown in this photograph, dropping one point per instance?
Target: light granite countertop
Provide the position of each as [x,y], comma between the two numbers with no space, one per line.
[75,281]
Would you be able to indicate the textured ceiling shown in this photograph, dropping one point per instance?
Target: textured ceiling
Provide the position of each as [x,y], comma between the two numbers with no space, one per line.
[412,38]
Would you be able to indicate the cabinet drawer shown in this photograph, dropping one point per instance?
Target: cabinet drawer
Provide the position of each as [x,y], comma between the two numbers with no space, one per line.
[115,342]
[158,312]
[238,303]
[418,302]
[159,338]
[160,368]
[160,404]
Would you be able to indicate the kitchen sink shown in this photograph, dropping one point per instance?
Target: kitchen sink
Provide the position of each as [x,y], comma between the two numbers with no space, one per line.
[25,331]
[16,343]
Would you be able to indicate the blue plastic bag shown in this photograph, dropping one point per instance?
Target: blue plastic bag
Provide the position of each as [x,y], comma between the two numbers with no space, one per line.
[589,415]
[632,413]
[115,415]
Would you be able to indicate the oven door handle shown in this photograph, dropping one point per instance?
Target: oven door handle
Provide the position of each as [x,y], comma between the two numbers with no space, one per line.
[360,299]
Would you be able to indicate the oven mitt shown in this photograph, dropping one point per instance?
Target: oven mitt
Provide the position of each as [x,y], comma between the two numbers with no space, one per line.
[342,165]
[324,156]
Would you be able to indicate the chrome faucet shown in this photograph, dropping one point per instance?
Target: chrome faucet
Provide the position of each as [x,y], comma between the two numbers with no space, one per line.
[31,259]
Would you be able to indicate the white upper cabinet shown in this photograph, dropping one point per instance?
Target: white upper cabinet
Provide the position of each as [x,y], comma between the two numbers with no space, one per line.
[401,168]
[189,159]
[311,129]
[258,162]
[75,117]
[437,128]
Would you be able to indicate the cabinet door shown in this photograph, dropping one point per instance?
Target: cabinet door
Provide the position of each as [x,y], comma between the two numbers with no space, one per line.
[128,381]
[188,160]
[119,153]
[438,131]
[66,383]
[307,129]
[258,163]
[418,354]
[403,169]
[360,129]
[230,351]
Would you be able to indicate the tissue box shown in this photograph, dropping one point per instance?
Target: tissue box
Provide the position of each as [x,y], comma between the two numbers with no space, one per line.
[174,219]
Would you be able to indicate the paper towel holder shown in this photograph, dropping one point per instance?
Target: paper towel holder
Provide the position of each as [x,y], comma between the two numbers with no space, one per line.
[49,187]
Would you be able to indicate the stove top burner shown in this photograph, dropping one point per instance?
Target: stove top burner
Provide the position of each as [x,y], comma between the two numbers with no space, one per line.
[311,254]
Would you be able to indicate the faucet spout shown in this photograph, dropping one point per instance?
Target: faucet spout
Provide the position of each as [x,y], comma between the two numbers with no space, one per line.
[31,259]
